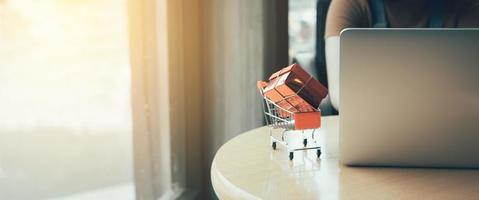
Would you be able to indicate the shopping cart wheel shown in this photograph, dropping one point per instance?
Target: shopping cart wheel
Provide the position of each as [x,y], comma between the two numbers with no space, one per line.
[274,145]
[305,142]
[291,155]
[318,152]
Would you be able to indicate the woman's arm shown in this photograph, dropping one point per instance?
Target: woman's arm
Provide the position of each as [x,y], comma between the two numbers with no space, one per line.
[332,63]
[342,14]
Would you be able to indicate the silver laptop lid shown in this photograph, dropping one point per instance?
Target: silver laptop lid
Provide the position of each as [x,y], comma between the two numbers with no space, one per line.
[409,97]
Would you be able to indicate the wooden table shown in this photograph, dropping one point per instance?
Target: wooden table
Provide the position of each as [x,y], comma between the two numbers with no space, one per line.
[246,167]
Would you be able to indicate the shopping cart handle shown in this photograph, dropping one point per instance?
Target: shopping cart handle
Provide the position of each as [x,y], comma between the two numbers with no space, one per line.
[261,85]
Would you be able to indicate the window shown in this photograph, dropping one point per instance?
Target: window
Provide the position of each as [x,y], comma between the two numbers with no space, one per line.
[302,26]
[65,115]
[302,32]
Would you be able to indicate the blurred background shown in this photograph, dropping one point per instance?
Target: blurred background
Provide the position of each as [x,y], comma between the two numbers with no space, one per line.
[65,116]
[130,99]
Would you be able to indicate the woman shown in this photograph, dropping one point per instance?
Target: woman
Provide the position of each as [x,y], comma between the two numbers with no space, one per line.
[391,14]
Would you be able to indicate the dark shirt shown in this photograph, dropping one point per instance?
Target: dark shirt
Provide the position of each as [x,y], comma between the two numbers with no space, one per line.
[400,14]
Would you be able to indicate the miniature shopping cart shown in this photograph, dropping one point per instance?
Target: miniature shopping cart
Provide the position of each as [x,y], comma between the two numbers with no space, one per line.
[278,118]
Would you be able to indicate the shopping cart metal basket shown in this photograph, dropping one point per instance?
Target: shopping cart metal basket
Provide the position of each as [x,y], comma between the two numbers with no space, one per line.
[278,118]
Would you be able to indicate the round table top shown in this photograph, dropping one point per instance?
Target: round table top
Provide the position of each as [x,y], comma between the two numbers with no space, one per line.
[246,167]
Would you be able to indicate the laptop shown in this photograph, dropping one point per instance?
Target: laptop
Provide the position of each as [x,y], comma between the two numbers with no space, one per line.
[409,97]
